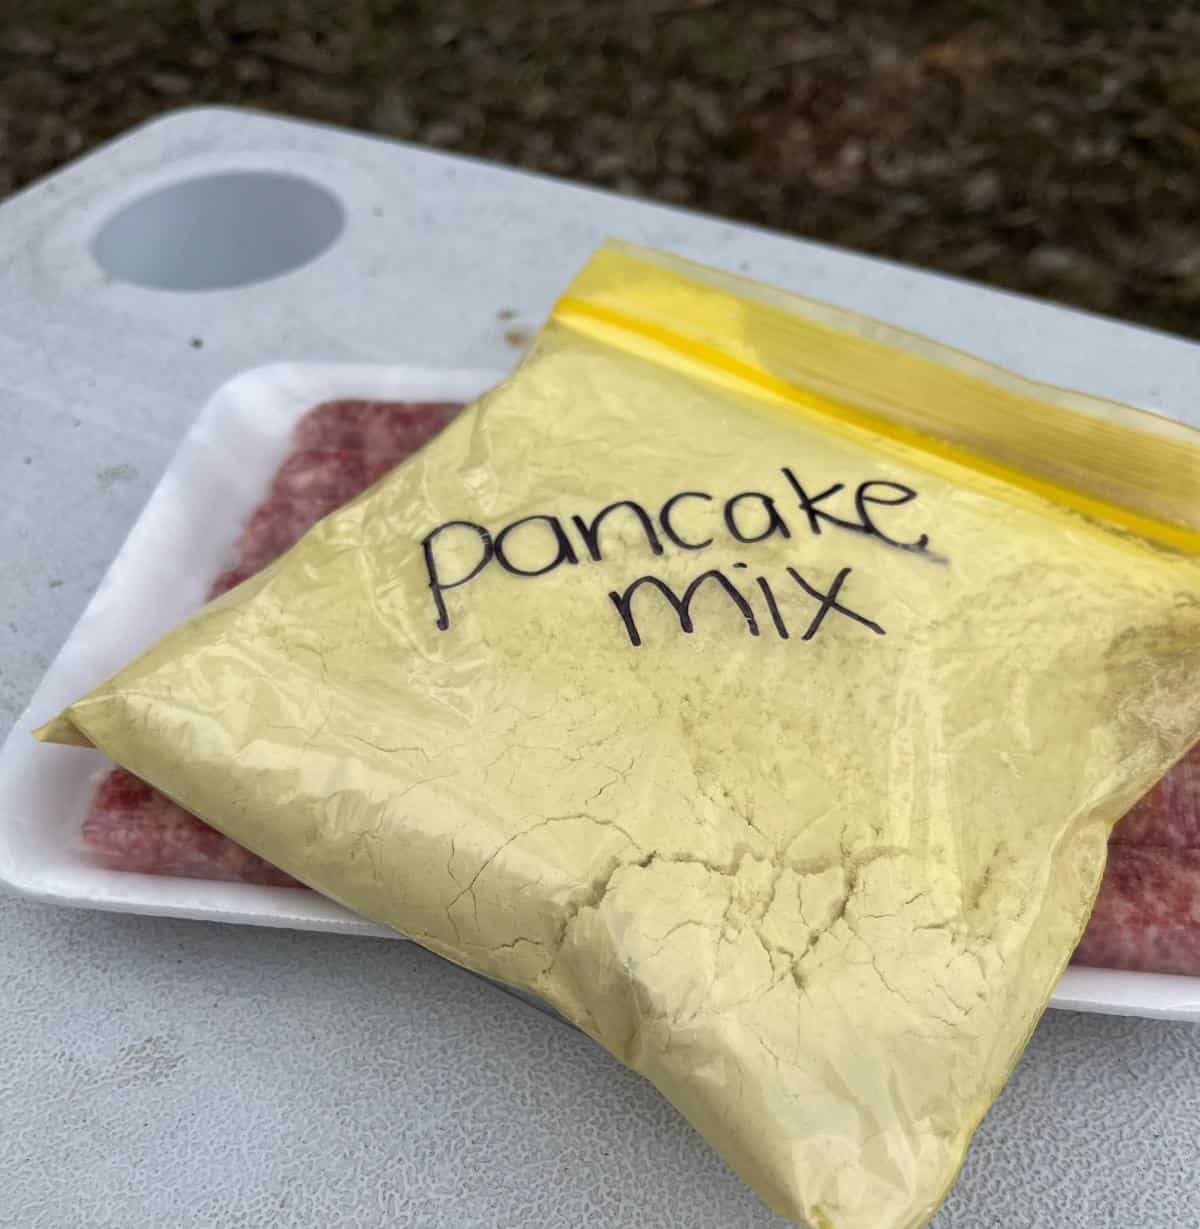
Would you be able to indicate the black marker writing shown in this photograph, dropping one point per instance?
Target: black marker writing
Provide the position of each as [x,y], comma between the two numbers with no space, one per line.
[773,608]
[683,605]
[565,552]
[590,533]
[775,522]
[749,518]
[438,586]
[669,529]
[862,497]
[829,602]
[808,504]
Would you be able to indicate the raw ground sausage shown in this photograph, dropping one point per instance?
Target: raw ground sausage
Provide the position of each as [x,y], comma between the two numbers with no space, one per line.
[132,827]
[1168,817]
[1147,916]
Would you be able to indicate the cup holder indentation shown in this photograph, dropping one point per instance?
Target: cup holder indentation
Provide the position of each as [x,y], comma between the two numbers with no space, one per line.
[217,231]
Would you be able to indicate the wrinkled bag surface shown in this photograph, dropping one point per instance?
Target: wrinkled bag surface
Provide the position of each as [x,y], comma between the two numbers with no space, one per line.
[754,683]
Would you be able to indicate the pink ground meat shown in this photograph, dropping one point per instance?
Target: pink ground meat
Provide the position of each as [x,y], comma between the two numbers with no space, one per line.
[132,827]
[1168,817]
[1147,916]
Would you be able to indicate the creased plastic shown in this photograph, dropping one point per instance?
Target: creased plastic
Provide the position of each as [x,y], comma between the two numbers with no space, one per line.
[734,679]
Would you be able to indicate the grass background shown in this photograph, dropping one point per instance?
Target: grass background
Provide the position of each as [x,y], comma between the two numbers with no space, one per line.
[1048,147]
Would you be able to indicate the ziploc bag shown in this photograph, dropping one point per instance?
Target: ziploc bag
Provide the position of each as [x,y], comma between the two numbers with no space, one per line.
[753,683]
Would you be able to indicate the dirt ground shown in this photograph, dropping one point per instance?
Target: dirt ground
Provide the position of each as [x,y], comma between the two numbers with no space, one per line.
[1051,147]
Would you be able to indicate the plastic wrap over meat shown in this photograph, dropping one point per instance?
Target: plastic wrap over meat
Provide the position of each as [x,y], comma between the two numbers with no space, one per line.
[339,449]
[1168,817]
[132,827]
[1147,916]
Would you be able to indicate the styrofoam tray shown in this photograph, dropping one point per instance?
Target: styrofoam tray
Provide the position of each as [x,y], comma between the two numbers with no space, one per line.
[184,537]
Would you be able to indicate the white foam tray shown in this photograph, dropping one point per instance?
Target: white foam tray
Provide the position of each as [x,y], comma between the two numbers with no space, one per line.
[184,537]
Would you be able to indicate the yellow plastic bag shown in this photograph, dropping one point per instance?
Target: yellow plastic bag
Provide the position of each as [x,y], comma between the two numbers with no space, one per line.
[754,683]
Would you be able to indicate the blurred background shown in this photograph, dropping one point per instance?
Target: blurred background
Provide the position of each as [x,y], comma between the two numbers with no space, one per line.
[1048,147]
